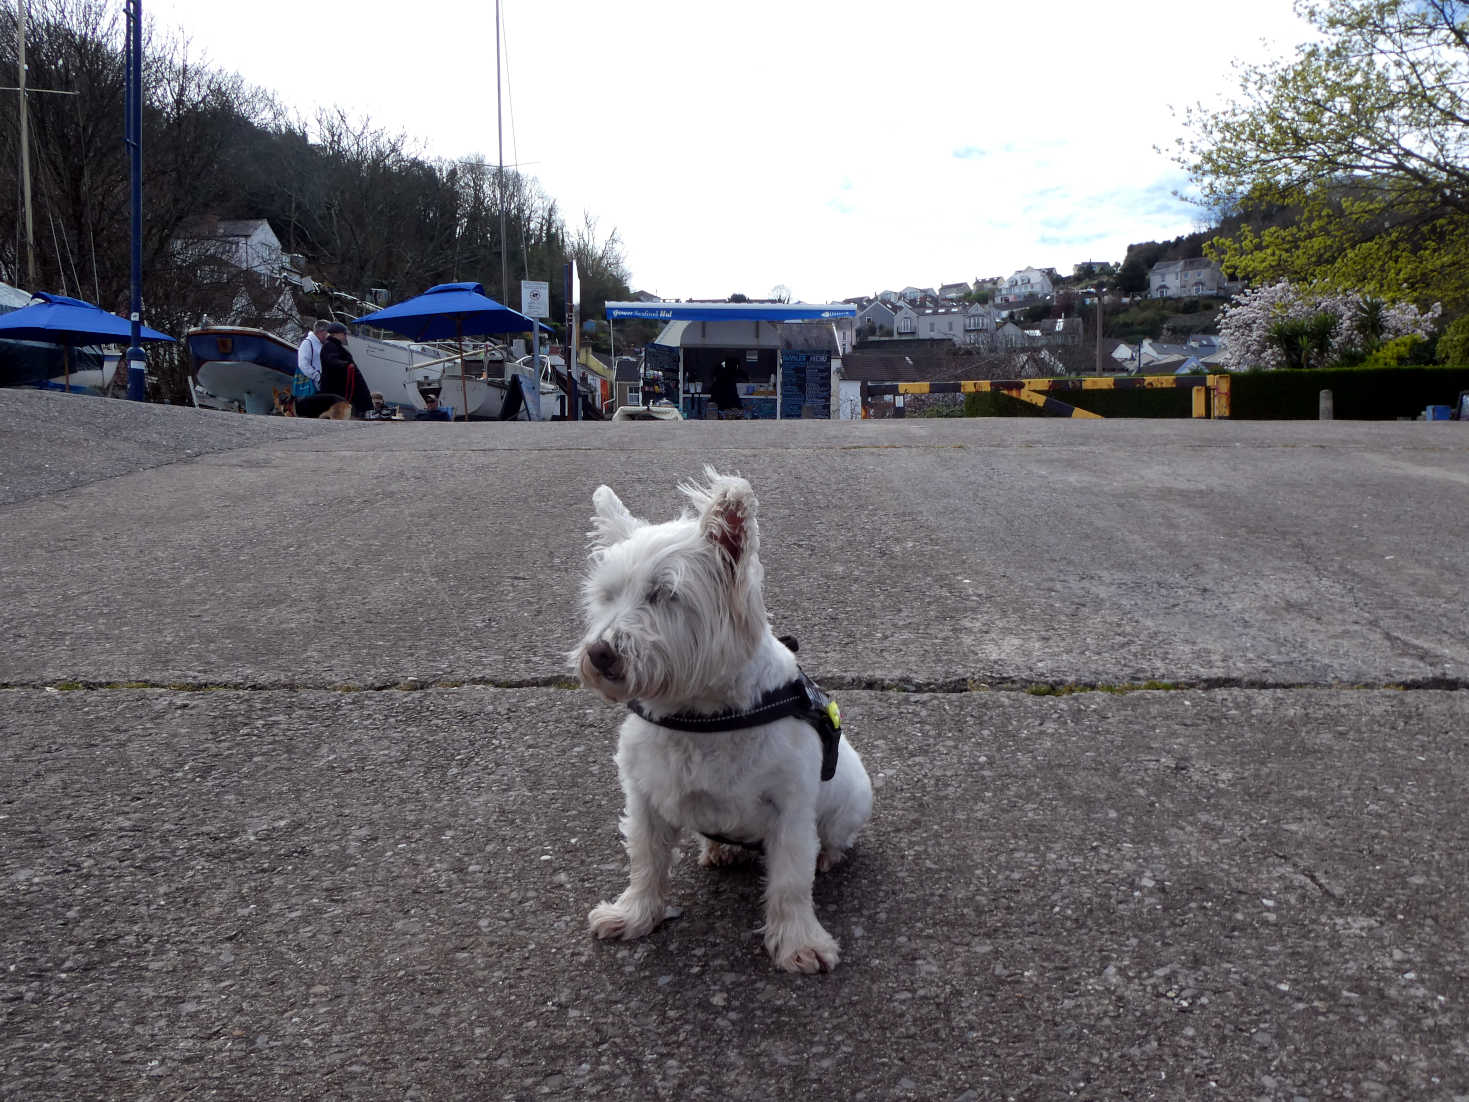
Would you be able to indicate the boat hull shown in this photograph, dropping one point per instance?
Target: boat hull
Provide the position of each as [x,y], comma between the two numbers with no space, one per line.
[246,367]
[485,398]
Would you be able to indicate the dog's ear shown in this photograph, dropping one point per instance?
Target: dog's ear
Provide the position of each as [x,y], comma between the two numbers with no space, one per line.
[612,523]
[727,515]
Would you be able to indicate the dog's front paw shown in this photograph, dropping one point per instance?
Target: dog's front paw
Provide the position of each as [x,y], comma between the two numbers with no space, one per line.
[627,919]
[803,947]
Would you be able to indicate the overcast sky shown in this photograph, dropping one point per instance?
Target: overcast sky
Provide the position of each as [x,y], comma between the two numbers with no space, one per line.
[835,148]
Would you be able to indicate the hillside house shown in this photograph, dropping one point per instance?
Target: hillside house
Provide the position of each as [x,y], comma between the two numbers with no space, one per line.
[1025,284]
[241,269]
[627,383]
[235,246]
[1120,354]
[952,291]
[1180,278]
[941,323]
[979,324]
[877,318]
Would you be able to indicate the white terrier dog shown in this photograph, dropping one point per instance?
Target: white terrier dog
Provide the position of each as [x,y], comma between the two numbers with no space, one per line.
[727,737]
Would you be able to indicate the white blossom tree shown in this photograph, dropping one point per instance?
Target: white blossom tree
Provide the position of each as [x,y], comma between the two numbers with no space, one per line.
[1286,325]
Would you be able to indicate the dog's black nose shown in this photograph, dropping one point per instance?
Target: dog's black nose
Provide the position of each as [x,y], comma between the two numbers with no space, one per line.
[603,657]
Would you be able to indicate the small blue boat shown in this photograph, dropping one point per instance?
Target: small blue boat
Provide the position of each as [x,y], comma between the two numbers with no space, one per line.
[242,365]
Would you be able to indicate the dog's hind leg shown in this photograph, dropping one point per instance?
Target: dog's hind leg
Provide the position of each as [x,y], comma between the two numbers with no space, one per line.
[794,938]
[650,840]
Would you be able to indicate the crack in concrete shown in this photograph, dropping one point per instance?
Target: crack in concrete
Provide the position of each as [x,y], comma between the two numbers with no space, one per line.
[903,685]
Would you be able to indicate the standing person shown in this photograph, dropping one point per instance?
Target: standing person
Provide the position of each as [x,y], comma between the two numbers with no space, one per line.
[339,372]
[725,391]
[308,362]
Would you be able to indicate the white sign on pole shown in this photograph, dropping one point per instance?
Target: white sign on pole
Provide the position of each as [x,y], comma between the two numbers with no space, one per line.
[535,298]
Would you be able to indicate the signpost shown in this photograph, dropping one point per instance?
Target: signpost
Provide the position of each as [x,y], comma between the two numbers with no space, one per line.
[573,310]
[535,303]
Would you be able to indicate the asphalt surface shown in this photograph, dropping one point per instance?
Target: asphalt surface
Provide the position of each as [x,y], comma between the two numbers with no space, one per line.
[1168,722]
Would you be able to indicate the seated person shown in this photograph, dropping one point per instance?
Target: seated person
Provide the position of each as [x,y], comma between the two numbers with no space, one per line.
[431,410]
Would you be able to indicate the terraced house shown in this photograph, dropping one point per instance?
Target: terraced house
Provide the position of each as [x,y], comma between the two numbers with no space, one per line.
[1177,278]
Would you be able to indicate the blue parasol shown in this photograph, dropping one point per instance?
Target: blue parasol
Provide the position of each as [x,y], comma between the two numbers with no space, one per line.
[450,310]
[69,322]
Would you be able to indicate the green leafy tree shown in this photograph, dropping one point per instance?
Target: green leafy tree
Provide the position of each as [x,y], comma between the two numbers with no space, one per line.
[1363,135]
[1132,278]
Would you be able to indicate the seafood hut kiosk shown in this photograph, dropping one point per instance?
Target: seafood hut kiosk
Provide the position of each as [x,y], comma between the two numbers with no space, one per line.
[790,352]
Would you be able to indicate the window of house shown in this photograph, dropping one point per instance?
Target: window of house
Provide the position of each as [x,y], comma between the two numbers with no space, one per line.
[905,325]
[634,396]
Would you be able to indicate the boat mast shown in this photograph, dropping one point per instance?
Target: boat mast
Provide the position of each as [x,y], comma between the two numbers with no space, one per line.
[500,138]
[25,147]
[25,141]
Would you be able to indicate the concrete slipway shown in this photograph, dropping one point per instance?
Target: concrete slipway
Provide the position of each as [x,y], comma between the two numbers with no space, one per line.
[297,802]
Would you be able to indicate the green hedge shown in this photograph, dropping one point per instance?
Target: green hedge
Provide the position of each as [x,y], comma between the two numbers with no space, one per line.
[1358,393]
[1104,403]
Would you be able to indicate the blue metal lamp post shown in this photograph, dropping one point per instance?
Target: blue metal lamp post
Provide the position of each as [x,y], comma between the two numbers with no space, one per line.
[137,374]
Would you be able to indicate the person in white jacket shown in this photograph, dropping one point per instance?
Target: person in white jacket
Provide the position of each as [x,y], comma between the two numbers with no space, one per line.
[308,356]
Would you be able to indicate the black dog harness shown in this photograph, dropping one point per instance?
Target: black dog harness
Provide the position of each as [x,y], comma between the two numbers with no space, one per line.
[801,698]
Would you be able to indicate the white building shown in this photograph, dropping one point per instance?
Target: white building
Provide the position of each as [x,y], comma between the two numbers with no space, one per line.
[1180,278]
[243,259]
[1024,284]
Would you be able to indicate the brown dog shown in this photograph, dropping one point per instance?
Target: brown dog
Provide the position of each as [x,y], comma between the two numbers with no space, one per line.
[338,411]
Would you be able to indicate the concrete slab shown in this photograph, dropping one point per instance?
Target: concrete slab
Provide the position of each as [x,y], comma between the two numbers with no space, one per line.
[922,554]
[1222,894]
[53,442]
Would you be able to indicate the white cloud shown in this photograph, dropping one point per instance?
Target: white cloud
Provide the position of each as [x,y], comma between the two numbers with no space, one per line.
[836,148]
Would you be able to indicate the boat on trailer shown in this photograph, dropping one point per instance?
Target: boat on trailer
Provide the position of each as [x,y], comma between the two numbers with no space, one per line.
[238,367]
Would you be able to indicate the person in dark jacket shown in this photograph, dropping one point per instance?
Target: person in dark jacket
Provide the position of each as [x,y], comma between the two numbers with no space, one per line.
[339,372]
[725,391]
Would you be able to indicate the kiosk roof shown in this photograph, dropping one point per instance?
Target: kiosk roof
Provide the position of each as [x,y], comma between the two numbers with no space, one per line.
[731,311]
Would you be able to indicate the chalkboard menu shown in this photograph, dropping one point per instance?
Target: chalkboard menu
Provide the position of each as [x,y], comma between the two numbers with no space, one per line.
[805,388]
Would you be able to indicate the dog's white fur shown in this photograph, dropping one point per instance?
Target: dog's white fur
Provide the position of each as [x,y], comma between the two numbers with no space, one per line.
[676,620]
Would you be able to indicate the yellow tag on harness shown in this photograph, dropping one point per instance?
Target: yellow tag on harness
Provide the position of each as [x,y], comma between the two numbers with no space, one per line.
[834,713]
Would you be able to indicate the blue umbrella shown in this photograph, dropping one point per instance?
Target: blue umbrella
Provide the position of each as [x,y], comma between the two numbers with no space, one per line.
[451,310]
[68,322]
